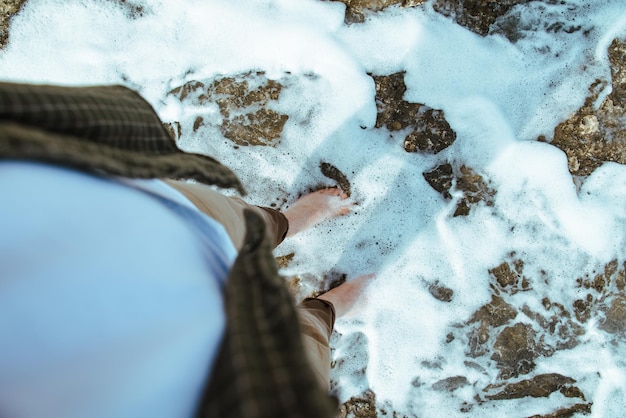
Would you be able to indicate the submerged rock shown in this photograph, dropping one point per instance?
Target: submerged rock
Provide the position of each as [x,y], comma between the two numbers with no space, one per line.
[515,350]
[334,173]
[8,9]
[580,408]
[244,106]
[446,179]
[441,292]
[429,132]
[540,386]
[593,135]
[476,15]
[363,406]
[615,318]
[451,384]
[356,10]
[492,315]
[510,278]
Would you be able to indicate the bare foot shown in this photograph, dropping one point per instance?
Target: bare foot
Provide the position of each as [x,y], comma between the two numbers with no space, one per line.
[316,207]
[345,296]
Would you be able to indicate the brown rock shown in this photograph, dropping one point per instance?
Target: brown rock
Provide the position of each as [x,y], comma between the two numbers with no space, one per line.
[572,392]
[492,315]
[284,260]
[509,277]
[582,310]
[444,179]
[441,179]
[581,408]
[356,10]
[591,137]
[258,128]
[451,384]
[430,132]
[8,9]
[441,292]
[174,129]
[363,406]
[476,15]
[615,320]
[243,103]
[540,386]
[620,282]
[334,173]
[515,350]
[495,314]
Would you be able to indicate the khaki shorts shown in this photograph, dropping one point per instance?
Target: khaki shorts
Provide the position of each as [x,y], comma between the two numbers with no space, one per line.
[317,317]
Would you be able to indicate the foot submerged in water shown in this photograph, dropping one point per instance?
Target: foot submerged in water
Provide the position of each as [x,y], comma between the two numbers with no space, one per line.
[316,207]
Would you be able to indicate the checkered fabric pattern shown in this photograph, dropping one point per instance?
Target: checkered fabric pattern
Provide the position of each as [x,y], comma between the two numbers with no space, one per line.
[262,370]
[111,129]
[262,355]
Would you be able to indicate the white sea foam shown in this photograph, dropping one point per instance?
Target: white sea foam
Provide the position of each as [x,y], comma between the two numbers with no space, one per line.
[498,96]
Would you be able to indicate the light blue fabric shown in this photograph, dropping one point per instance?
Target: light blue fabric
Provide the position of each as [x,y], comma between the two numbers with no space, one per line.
[110,297]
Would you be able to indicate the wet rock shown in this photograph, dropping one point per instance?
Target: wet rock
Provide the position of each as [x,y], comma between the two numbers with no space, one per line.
[615,318]
[133,9]
[568,412]
[602,281]
[582,310]
[357,10]
[284,260]
[334,173]
[494,314]
[441,292]
[558,324]
[8,9]
[474,189]
[450,384]
[510,278]
[446,180]
[429,130]
[244,106]
[363,406]
[441,178]
[572,392]
[540,386]
[257,128]
[591,137]
[515,350]
[174,129]
[476,15]
[620,281]
[432,132]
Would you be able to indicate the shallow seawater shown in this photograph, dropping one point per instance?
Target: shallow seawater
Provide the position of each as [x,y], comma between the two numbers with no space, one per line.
[533,278]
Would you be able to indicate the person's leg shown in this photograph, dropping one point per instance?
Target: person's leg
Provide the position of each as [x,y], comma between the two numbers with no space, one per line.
[317,318]
[228,211]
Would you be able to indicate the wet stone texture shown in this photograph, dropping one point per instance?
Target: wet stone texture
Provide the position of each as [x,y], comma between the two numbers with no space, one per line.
[8,9]
[514,336]
[357,10]
[244,106]
[593,136]
[429,132]
[359,407]
[540,386]
[449,181]
[335,174]
[604,299]
[476,15]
